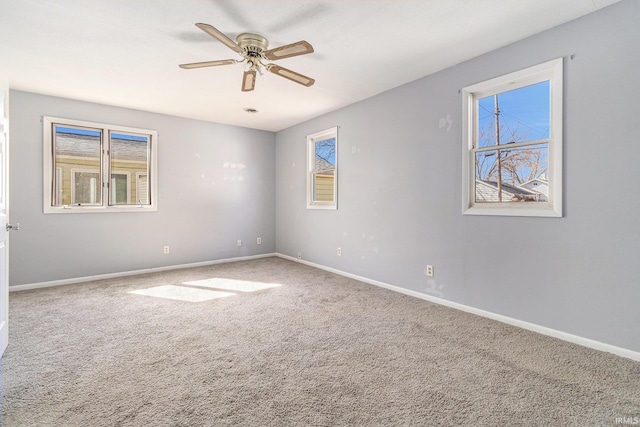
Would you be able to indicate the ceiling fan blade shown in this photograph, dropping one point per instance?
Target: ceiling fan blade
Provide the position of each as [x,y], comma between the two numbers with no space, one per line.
[208,64]
[293,49]
[291,75]
[248,81]
[220,36]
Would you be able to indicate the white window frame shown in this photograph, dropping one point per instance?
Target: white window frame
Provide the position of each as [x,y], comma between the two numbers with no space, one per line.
[311,165]
[551,71]
[49,172]
[58,180]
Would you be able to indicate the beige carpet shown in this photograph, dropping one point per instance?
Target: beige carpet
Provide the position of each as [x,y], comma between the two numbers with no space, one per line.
[274,343]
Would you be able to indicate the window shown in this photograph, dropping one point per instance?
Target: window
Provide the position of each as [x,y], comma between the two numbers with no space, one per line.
[512,161]
[89,167]
[322,175]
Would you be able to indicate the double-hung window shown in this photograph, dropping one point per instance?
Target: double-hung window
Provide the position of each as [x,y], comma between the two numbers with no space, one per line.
[322,169]
[512,132]
[93,167]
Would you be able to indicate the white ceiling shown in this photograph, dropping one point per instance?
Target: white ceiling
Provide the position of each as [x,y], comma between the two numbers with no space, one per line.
[126,53]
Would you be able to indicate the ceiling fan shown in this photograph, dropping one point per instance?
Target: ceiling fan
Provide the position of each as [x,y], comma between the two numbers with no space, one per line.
[254,49]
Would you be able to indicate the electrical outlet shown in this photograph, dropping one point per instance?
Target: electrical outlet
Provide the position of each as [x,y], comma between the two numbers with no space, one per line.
[299,255]
[166,249]
[239,242]
[259,240]
[339,251]
[430,270]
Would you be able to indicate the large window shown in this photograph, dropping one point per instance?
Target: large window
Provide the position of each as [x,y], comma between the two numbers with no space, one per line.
[91,167]
[322,170]
[512,160]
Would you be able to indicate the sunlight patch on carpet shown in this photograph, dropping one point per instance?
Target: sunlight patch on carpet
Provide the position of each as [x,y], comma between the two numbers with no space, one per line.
[182,293]
[232,285]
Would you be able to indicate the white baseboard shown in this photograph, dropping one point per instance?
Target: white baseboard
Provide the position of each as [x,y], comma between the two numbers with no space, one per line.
[132,273]
[585,342]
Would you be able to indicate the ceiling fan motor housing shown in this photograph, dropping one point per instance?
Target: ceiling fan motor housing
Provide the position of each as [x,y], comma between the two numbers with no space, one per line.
[253,44]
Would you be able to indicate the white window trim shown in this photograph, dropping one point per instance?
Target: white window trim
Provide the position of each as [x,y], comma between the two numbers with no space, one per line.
[48,168]
[552,71]
[311,140]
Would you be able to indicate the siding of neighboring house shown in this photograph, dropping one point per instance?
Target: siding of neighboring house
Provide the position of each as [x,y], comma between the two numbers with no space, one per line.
[324,188]
[324,180]
[537,185]
[488,194]
[65,168]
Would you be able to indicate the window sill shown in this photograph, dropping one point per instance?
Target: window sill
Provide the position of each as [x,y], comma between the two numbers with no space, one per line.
[98,209]
[503,209]
[322,206]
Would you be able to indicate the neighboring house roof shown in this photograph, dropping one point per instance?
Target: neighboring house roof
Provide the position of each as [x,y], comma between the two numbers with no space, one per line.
[323,165]
[77,145]
[487,191]
[89,146]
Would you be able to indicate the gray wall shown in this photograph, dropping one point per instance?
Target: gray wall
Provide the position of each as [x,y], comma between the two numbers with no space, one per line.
[203,207]
[400,191]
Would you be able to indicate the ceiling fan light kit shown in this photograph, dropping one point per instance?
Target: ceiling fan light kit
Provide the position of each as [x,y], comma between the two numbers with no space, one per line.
[254,49]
